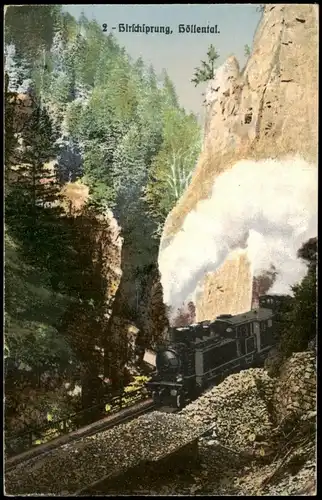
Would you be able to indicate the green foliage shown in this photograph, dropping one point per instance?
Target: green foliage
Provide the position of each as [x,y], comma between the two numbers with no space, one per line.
[129,167]
[32,312]
[31,28]
[10,138]
[126,129]
[172,168]
[206,72]
[298,325]
[130,129]
[31,205]
[247,50]
[132,391]
[73,119]
[121,101]
[138,382]
[76,58]
[169,91]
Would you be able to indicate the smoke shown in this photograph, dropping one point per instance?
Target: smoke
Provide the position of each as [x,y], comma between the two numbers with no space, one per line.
[268,206]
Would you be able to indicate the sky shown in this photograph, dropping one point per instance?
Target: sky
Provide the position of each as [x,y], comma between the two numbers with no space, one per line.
[179,53]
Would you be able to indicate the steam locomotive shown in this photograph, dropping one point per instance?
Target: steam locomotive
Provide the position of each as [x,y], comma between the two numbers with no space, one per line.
[203,354]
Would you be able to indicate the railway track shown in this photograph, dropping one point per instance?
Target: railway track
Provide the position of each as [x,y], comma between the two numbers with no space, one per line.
[101,425]
[78,466]
[170,461]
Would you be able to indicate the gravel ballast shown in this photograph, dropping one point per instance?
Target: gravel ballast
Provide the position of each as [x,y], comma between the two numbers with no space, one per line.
[239,408]
[72,467]
[236,454]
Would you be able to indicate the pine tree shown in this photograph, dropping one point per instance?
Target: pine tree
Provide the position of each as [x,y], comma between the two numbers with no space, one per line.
[121,92]
[106,62]
[71,77]
[100,135]
[247,50]
[42,76]
[11,68]
[79,48]
[18,69]
[129,166]
[169,92]
[31,28]
[138,69]
[10,139]
[149,116]
[206,72]
[32,208]
[90,42]
[151,78]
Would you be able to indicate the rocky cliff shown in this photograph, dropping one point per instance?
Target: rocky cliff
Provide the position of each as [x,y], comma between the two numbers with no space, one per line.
[267,110]
[106,234]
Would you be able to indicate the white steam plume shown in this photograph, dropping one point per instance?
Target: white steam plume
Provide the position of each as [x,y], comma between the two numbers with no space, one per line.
[269,206]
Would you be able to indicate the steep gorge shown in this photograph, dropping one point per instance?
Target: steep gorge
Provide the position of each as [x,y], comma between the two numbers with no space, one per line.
[254,115]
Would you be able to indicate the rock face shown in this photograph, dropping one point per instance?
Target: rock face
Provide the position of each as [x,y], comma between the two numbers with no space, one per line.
[99,245]
[74,198]
[219,288]
[258,113]
[23,105]
[153,317]
[295,391]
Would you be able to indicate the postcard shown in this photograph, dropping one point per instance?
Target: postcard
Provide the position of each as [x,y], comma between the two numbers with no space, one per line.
[160,234]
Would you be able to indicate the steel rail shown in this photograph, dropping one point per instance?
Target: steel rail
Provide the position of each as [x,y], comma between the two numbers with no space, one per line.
[101,425]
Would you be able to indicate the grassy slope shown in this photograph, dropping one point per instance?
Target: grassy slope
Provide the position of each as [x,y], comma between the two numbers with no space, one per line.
[31,309]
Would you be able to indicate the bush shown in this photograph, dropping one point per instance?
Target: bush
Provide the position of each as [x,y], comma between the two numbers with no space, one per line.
[298,325]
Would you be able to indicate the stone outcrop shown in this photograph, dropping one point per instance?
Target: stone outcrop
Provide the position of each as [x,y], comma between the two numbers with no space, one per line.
[74,197]
[153,313]
[295,390]
[106,234]
[219,288]
[23,106]
[257,113]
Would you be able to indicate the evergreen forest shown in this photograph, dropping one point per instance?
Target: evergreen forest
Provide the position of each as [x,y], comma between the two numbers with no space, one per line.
[81,116]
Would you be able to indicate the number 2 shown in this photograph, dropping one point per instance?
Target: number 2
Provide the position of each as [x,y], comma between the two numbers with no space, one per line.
[104,27]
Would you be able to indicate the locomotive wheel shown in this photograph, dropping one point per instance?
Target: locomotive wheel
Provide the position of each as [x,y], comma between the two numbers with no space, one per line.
[180,400]
[156,398]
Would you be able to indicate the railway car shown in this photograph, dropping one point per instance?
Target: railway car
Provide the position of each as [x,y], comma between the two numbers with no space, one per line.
[202,354]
